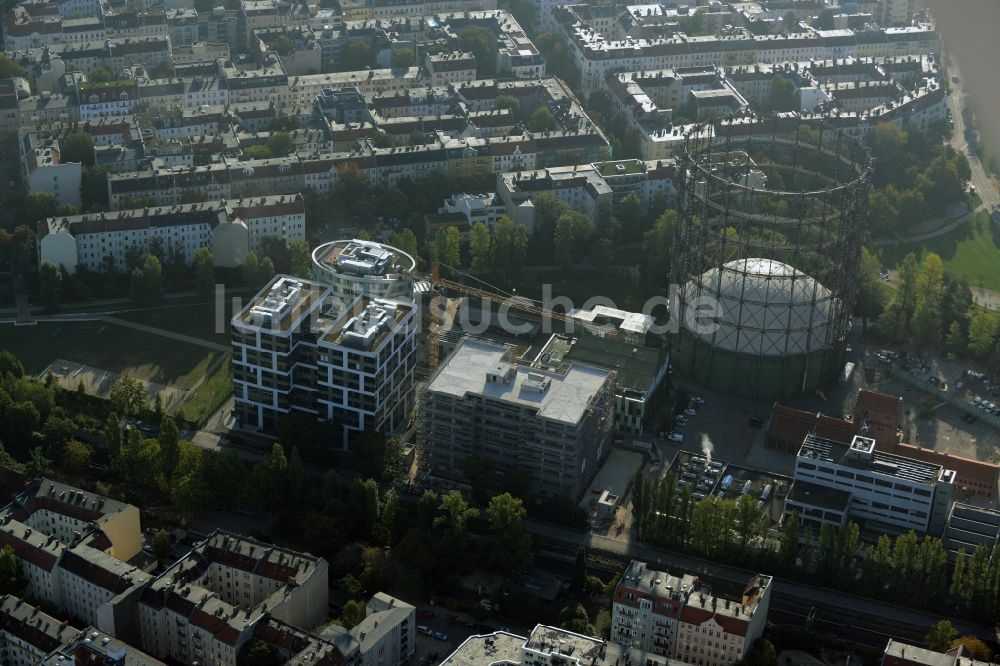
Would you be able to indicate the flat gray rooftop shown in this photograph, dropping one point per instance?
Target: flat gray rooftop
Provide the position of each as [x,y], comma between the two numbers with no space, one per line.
[566,399]
[496,648]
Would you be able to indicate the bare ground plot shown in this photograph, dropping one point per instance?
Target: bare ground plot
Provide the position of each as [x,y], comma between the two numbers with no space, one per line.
[111,349]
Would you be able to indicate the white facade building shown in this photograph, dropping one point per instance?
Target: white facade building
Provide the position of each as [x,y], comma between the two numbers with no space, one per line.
[898,492]
[299,349]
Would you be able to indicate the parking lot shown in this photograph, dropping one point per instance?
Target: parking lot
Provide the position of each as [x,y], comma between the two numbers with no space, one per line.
[455,627]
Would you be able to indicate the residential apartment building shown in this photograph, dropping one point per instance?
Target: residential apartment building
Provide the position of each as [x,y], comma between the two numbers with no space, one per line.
[27,635]
[590,188]
[893,491]
[206,606]
[386,637]
[91,582]
[299,349]
[483,403]
[229,228]
[450,68]
[67,513]
[679,617]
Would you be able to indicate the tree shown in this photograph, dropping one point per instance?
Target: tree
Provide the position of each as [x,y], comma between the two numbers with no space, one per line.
[50,285]
[146,285]
[8,68]
[256,652]
[481,43]
[38,465]
[38,206]
[353,613]
[510,245]
[363,503]
[983,328]
[169,445]
[101,75]
[282,45]
[541,120]
[580,570]
[941,636]
[825,20]
[789,546]
[455,513]
[402,57]
[77,147]
[76,456]
[300,259]
[446,243]
[658,243]
[10,365]
[94,188]
[480,248]
[762,653]
[355,55]
[203,269]
[162,544]
[974,648]
[511,103]
[127,396]
[574,618]
[511,542]
[406,241]
[280,144]
[782,95]
[378,572]
[138,461]
[10,572]
[257,152]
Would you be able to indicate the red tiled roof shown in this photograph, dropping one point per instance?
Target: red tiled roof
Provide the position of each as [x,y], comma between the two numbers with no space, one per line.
[966,468]
[872,402]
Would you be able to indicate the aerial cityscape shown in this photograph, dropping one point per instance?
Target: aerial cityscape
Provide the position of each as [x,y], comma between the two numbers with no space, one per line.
[500,333]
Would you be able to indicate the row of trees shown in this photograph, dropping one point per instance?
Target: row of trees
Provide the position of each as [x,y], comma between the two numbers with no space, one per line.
[907,569]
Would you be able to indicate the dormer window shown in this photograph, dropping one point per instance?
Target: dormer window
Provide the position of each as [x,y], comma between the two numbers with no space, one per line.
[123,96]
[93,99]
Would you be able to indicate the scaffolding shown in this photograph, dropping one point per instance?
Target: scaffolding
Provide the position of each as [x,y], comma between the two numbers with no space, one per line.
[771,221]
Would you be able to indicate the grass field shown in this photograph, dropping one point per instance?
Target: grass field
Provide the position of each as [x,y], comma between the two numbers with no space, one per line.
[972,251]
[194,317]
[201,404]
[145,356]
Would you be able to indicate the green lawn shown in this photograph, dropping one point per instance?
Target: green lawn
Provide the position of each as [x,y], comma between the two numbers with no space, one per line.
[972,251]
[114,348]
[202,403]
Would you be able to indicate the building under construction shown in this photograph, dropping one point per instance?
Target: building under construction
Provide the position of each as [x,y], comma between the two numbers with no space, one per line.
[771,220]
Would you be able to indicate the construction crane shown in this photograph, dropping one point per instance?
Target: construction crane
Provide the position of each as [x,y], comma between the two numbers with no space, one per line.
[511,300]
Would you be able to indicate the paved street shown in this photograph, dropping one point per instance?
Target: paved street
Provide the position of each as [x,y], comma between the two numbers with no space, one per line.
[985,186]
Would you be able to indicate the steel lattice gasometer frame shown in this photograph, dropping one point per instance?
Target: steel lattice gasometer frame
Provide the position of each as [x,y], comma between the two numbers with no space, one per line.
[783,263]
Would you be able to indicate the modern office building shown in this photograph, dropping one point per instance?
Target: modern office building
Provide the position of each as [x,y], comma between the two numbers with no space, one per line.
[679,617]
[970,527]
[894,492]
[297,349]
[552,425]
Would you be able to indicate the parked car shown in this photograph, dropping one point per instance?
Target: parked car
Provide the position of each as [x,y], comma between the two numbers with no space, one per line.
[690,411]
[440,636]
[977,401]
[680,418]
[426,614]
[424,629]
[756,421]
[675,436]
[454,619]
[680,424]
[697,400]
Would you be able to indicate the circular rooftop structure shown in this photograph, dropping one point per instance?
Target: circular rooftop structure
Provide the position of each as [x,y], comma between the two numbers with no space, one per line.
[353,268]
[767,308]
